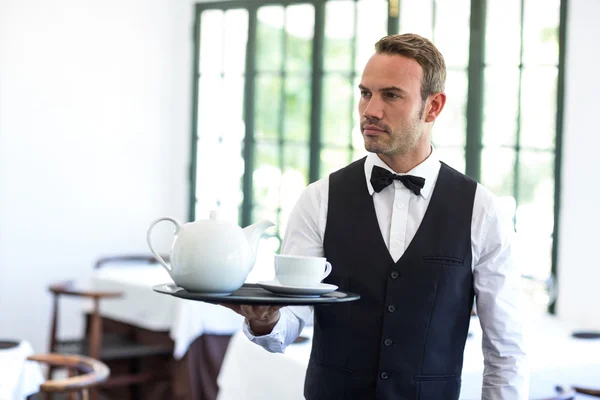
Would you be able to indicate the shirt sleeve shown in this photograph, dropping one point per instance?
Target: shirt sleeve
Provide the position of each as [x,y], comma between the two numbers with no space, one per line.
[303,236]
[286,330]
[497,283]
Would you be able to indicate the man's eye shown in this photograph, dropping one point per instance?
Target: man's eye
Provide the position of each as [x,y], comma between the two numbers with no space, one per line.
[365,93]
[391,95]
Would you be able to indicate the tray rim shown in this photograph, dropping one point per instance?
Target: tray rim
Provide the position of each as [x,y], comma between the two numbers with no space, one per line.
[325,299]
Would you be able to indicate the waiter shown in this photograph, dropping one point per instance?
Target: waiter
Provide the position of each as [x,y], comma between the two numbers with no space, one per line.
[418,240]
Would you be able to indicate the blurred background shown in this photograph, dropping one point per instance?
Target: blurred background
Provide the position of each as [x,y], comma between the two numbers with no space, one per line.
[114,113]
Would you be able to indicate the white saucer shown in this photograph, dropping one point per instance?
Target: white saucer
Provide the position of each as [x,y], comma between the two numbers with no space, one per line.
[303,291]
[171,288]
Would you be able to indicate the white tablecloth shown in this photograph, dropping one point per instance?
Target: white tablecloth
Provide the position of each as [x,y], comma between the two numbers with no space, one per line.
[249,372]
[141,306]
[19,378]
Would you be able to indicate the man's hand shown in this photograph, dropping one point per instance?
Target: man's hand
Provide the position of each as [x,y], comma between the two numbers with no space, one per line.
[261,319]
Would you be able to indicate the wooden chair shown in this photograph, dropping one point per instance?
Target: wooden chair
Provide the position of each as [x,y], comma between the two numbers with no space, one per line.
[587,391]
[572,392]
[84,373]
[563,394]
[140,259]
[106,348]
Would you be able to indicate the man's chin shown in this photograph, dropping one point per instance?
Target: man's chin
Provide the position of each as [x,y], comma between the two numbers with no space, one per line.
[373,146]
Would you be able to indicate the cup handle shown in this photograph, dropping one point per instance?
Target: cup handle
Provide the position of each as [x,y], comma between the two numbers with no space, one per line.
[327,270]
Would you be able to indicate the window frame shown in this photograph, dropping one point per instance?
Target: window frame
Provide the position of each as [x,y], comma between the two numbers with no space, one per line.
[474,111]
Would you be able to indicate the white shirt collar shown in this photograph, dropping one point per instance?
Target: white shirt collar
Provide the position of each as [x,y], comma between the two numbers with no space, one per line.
[428,169]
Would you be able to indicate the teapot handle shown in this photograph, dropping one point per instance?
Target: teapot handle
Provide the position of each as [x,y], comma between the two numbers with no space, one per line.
[154,252]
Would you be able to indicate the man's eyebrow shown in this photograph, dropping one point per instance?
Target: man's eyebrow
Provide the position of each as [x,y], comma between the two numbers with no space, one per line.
[385,89]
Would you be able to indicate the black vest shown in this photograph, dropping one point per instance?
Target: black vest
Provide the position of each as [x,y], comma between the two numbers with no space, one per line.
[405,337]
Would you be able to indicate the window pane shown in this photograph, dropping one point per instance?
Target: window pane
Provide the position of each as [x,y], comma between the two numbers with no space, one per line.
[295,179]
[210,91]
[535,212]
[540,32]
[339,31]
[218,140]
[211,41]
[501,106]
[497,170]
[260,213]
[269,44]
[503,32]
[235,39]
[454,157]
[267,107]
[538,108]
[371,26]
[233,92]
[297,109]
[536,191]
[332,160]
[337,110]
[450,127]
[221,191]
[451,32]
[266,177]
[296,159]
[300,26]
[416,16]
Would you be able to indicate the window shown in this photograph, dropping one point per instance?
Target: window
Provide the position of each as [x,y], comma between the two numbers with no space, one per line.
[276,95]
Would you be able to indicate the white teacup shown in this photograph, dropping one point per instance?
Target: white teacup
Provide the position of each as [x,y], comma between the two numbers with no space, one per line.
[301,270]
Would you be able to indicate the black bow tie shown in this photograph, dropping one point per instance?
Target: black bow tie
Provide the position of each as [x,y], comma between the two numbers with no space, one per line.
[381,177]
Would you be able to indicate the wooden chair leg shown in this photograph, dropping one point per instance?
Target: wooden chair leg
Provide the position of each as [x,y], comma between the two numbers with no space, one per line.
[49,396]
[72,395]
[134,369]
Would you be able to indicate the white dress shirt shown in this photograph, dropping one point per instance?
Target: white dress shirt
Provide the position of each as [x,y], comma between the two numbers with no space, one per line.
[399,214]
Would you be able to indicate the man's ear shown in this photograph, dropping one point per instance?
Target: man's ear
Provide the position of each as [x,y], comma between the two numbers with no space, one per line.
[435,105]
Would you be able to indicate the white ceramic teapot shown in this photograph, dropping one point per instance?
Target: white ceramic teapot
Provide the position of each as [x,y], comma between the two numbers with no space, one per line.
[211,256]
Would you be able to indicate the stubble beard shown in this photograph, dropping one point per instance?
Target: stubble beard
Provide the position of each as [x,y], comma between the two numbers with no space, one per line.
[401,141]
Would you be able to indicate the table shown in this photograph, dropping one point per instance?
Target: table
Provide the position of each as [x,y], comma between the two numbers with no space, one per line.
[249,372]
[140,306]
[199,331]
[19,378]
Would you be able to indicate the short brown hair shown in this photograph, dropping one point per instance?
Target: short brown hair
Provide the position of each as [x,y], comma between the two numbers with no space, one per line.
[422,51]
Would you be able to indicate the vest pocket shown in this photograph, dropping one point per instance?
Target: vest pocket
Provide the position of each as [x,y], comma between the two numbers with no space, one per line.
[432,378]
[443,260]
[333,367]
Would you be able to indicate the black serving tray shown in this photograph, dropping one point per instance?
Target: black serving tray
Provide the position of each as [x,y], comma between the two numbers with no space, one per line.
[251,293]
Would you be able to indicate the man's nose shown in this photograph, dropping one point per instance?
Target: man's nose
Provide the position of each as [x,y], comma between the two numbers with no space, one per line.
[374,109]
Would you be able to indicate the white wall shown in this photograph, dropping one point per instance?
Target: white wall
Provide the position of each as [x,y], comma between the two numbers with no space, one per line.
[579,265]
[94,132]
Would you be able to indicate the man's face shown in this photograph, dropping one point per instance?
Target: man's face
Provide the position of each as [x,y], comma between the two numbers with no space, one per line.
[390,107]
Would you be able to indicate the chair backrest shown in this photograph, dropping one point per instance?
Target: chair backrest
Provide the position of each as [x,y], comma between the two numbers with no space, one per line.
[563,394]
[128,259]
[587,391]
[88,373]
[68,288]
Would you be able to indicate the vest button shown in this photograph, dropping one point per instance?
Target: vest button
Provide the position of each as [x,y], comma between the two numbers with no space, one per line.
[388,342]
[394,275]
[391,308]
[384,375]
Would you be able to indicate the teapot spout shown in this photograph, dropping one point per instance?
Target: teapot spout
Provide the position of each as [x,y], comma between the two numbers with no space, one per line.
[253,233]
